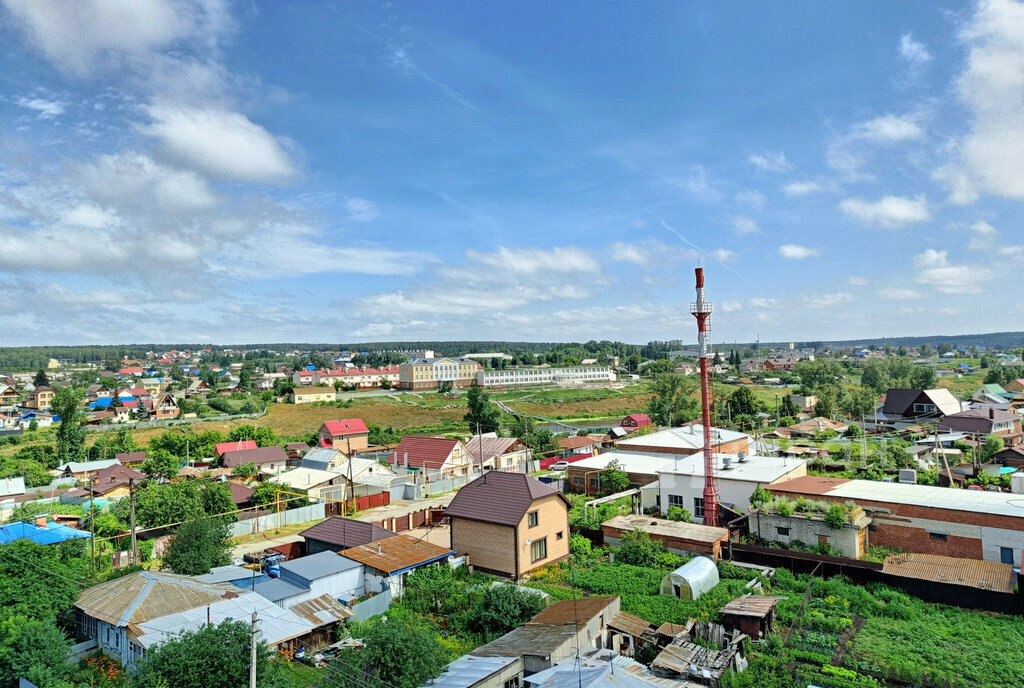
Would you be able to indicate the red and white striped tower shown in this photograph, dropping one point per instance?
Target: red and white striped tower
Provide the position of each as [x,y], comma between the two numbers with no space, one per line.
[701,310]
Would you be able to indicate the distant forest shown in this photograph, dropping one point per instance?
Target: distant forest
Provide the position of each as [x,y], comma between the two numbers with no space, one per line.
[36,357]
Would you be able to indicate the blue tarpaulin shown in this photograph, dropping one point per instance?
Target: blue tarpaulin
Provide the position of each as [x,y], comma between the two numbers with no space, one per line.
[50,535]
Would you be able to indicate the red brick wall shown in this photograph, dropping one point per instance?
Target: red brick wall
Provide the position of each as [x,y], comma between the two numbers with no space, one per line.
[893,534]
[730,447]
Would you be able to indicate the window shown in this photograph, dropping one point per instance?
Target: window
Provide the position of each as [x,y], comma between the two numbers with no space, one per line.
[937,536]
[698,507]
[577,480]
[676,500]
[538,549]
[924,408]
[782,531]
[512,682]
[558,535]
[532,519]
[593,482]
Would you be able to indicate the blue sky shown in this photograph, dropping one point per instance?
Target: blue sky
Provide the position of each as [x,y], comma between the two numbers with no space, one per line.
[324,171]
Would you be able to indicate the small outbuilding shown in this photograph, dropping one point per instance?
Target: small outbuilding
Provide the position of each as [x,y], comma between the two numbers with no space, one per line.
[750,614]
[691,580]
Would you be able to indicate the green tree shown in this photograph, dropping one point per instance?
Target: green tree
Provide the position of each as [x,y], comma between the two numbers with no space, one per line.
[743,403]
[38,581]
[216,500]
[160,464]
[816,375]
[993,445]
[33,649]
[828,398]
[900,368]
[432,590]
[445,387]
[166,504]
[246,470]
[788,408]
[67,403]
[502,608]
[673,402]
[858,402]
[926,350]
[759,497]
[835,516]
[482,413]
[41,379]
[923,377]
[397,653]
[678,513]
[613,479]
[638,549]
[875,375]
[210,657]
[197,546]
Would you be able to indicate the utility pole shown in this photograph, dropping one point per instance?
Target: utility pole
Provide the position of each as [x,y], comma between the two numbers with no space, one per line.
[131,505]
[351,484]
[252,650]
[92,528]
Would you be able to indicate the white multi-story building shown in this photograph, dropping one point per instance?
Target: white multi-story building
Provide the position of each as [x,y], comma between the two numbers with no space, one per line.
[526,377]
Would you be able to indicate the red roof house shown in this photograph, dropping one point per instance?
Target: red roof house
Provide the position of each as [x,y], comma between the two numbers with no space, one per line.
[237,445]
[349,433]
[431,453]
[636,420]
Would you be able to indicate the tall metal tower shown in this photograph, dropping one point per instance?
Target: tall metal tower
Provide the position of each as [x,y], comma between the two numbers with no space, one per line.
[701,310]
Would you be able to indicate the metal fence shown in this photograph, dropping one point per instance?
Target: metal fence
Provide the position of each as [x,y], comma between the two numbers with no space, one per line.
[248,526]
[378,604]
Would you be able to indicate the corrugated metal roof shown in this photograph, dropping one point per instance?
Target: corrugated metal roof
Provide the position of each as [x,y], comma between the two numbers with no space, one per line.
[321,611]
[346,532]
[274,589]
[304,478]
[986,575]
[225,574]
[148,595]
[276,625]
[319,565]
[470,669]
[230,459]
[348,426]
[396,553]
[631,625]
[571,611]
[689,437]
[429,451]
[499,497]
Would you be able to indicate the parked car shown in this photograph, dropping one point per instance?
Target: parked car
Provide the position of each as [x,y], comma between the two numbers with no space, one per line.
[559,465]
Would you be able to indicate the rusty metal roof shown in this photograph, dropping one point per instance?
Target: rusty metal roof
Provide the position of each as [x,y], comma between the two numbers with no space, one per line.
[321,611]
[986,575]
[694,532]
[671,630]
[397,553]
[631,625]
[146,595]
[751,605]
[568,611]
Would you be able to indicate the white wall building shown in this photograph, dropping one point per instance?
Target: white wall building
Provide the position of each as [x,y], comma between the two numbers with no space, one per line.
[526,377]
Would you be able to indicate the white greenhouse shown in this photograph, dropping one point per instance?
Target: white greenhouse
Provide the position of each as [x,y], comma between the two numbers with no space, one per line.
[691,580]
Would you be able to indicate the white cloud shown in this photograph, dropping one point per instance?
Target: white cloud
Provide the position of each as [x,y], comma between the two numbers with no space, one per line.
[361,210]
[566,259]
[723,255]
[829,300]
[650,252]
[889,211]
[899,294]
[914,52]
[797,252]
[700,186]
[802,188]
[755,199]
[889,129]
[858,281]
[771,161]
[762,302]
[731,306]
[936,271]
[992,88]
[220,143]
[80,35]
[982,228]
[745,225]
[47,109]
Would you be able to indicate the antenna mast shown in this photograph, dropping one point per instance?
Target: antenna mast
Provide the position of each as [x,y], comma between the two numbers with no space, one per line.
[701,310]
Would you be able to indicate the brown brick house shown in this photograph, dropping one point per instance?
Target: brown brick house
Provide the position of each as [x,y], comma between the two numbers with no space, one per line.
[509,523]
[985,421]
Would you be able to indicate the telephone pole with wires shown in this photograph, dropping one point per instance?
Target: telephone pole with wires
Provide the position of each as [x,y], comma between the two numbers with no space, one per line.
[253,643]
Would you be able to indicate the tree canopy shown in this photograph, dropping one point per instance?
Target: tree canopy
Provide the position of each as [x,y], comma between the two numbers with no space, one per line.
[673,402]
[398,652]
[197,546]
[502,608]
[482,413]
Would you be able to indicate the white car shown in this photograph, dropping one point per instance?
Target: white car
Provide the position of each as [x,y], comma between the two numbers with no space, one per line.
[559,465]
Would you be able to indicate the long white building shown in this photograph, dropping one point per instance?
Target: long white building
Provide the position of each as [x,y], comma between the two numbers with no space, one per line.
[527,377]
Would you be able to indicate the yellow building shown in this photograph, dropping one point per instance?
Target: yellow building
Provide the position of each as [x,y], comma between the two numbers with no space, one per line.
[429,373]
[309,395]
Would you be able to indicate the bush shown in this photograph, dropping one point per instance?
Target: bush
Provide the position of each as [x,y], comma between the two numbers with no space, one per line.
[678,513]
[580,546]
[784,507]
[639,549]
[835,517]
[502,608]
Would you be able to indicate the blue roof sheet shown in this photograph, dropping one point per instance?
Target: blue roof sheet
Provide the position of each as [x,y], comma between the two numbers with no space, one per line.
[50,535]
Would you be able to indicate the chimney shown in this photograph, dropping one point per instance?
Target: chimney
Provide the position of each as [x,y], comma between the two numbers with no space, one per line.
[41,521]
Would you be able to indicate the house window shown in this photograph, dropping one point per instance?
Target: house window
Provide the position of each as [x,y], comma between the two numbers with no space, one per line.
[938,536]
[538,549]
[924,408]
[558,535]
[676,500]
[532,519]
[512,683]
[593,482]
[698,507]
[782,531]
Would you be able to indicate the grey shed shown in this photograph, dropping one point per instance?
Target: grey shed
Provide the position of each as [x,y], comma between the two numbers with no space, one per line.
[691,580]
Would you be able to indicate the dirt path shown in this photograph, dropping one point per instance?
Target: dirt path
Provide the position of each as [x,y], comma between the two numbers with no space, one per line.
[847,636]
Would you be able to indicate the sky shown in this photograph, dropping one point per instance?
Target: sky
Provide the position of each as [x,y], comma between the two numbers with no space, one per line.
[244,172]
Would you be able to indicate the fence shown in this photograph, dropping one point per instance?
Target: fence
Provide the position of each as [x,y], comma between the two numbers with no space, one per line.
[863,572]
[312,512]
[173,421]
[378,604]
[424,518]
